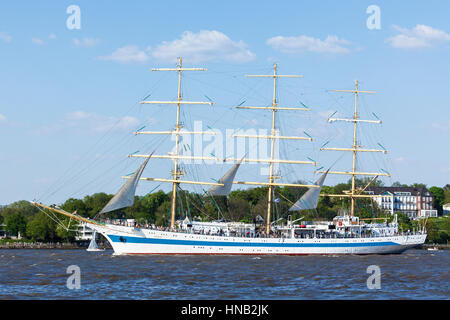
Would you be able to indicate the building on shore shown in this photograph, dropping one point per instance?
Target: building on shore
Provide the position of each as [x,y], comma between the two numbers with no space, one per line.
[416,203]
[84,233]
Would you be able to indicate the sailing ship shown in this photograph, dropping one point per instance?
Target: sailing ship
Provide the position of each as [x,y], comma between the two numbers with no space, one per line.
[346,234]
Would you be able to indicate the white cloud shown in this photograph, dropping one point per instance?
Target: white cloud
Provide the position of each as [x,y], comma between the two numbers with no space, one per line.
[94,122]
[2,118]
[421,36]
[442,126]
[331,44]
[206,45]
[37,41]
[127,54]
[5,37]
[52,36]
[85,42]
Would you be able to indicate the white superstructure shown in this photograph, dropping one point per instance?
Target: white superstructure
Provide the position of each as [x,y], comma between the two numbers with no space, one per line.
[345,235]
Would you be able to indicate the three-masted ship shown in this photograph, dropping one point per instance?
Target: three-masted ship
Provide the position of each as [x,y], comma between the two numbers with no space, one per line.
[344,235]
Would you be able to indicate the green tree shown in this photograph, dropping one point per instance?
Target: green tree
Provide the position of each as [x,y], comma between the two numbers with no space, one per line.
[404,222]
[438,230]
[361,183]
[95,203]
[16,223]
[25,208]
[398,184]
[418,185]
[162,214]
[447,193]
[6,211]
[260,209]
[135,211]
[152,201]
[238,209]
[67,233]
[438,201]
[42,228]
[71,205]
[252,195]
[432,231]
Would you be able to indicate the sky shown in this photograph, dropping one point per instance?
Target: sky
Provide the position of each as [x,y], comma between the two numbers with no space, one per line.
[73,72]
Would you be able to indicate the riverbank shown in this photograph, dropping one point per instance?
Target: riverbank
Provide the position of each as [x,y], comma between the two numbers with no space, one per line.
[106,245]
[49,245]
[439,246]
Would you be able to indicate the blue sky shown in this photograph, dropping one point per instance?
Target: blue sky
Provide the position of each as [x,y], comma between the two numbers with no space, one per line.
[69,98]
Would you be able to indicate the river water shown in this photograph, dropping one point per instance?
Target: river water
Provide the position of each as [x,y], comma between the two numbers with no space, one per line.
[42,274]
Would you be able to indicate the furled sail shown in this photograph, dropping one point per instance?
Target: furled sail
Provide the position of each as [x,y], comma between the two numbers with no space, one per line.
[310,199]
[125,196]
[227,181]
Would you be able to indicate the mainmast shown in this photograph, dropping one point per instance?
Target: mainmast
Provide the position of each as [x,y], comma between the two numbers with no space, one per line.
[273,136]
[355,193]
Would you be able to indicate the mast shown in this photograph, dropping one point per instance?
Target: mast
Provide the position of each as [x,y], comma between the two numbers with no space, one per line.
[354,193]
[176,172]
[273,136]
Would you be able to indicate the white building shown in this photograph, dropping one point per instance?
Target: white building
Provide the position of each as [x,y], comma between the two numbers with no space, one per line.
[83,232]
[427,213]
[414,202]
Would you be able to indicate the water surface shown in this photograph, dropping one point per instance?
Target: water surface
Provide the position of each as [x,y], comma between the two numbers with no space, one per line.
[41,274]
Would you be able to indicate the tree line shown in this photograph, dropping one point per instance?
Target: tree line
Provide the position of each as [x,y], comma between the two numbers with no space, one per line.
[241,205]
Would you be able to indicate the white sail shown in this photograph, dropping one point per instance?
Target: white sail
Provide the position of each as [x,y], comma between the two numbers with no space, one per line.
[310,199]
[93,244]
[125,196]
[227,181]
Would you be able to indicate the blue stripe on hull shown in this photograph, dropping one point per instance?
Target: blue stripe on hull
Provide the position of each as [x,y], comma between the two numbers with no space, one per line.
[127,239]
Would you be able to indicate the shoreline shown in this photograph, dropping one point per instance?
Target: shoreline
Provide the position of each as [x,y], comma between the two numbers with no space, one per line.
[50,245]
[439,246]
[101,245]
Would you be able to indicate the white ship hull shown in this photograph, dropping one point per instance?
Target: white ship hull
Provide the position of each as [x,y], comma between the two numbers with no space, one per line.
[128,240]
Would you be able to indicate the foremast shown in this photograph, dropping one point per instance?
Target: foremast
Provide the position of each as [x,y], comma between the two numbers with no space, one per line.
[175,156]
[355,193]
[273,136]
